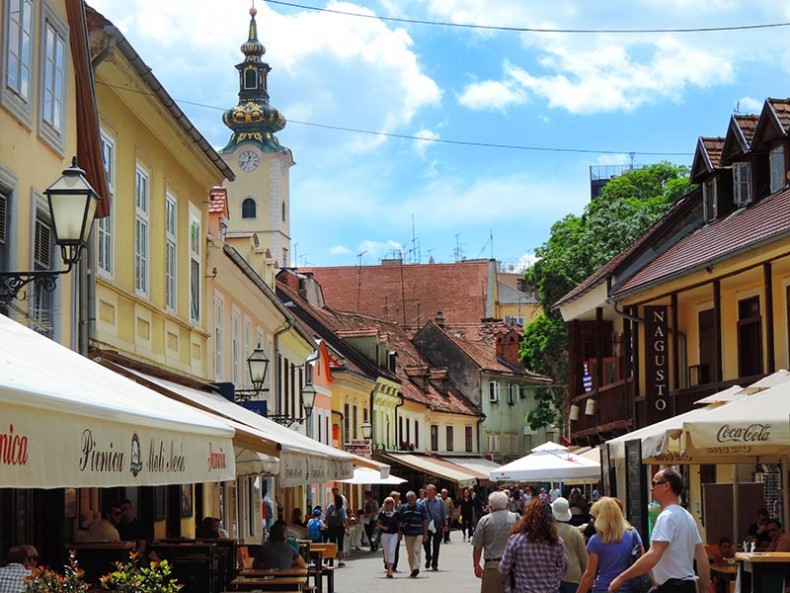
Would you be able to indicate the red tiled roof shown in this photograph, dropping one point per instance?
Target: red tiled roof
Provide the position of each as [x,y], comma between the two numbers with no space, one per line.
[767,220]
[782,109]
[707,157]
[740,133]
[414,292]
[713,148]
[217,199]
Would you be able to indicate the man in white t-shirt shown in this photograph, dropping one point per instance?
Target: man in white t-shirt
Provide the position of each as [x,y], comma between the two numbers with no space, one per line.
[674,545]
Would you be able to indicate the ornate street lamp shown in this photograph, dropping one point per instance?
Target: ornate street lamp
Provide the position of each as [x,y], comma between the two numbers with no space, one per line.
[367,431]
[258,364]
[72,206]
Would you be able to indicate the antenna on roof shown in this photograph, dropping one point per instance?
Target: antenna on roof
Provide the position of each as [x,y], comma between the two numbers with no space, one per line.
[737,109]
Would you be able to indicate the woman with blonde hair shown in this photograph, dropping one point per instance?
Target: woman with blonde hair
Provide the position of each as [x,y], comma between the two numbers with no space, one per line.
[388,527]
[534,560]
[609,549]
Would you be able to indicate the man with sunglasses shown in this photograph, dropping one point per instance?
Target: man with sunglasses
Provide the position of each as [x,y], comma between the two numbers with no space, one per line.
[674,545]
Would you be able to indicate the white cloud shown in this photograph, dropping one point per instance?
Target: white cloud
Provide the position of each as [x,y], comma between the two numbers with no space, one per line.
[526,261]
[749,105]
[376,250]
[492,94]
[339,250]
[427,138]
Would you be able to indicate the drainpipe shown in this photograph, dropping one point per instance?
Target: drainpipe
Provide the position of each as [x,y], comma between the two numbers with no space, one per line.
[372,421]
[480,421]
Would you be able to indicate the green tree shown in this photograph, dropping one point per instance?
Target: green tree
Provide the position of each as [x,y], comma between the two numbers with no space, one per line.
[576,248]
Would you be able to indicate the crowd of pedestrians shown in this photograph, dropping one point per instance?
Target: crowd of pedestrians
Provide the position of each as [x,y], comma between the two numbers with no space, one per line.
[527,540]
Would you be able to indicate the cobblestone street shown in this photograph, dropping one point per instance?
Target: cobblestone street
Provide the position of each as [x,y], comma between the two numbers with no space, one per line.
[364,572]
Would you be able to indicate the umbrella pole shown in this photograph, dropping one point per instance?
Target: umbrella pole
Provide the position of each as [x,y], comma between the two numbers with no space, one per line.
[735,513]
[785,509]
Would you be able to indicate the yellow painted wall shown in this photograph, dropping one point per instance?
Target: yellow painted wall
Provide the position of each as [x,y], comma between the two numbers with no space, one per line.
[137,325]
[29,165]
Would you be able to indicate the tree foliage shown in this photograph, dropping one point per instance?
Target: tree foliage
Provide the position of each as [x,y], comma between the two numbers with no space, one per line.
[576,248]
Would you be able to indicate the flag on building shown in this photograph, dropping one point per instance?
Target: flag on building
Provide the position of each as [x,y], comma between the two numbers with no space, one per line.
[587,379]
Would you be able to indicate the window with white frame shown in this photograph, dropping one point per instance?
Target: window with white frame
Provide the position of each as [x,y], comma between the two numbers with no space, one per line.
[5,227]
[449,438]
[493,391]
[512,393]
[469,440]
[194,265]
[17,40]
[709,202]
[104,226]
[741,178]
[171,240]
[493,443]
[777,168]
[53,78]
[219,331]
[235,346]
[141,205]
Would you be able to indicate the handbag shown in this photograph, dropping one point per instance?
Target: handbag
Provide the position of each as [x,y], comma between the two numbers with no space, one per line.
[642,583]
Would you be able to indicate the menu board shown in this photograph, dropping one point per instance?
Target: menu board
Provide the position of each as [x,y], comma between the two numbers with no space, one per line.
[635,486]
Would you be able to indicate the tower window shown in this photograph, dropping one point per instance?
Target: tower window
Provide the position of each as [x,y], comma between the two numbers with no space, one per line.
[248,208]
[284,210]
[250,79]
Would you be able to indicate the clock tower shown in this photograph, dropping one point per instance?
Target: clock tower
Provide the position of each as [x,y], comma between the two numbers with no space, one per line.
[258,200]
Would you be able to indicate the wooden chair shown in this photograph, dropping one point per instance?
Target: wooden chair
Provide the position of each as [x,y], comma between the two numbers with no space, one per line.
[243,558]
[712,550]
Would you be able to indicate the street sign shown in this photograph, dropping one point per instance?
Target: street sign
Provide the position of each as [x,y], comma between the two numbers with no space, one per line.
[359,447]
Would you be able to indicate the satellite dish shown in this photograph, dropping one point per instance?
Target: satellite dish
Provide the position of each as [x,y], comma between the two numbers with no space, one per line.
[511,267]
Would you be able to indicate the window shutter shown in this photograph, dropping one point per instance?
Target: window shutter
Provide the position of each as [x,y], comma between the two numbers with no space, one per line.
[42,248]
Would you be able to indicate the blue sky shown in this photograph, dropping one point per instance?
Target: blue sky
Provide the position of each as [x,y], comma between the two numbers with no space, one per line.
[353,193]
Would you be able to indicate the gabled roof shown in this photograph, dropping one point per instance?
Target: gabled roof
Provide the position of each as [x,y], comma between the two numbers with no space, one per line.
[647,246]
[760,223]
[218,201]
[707,157]
[478,341]
[739,137]
[326,323]
[774,123]
[410,365]
[409,294]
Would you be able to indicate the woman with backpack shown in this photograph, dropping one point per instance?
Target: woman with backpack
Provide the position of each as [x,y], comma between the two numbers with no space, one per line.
[337,525]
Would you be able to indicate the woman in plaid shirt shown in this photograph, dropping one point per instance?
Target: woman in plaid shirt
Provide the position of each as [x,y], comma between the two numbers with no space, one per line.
[534,560]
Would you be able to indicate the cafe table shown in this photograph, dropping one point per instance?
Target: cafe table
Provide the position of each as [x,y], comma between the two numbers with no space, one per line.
[273,572]
[762,572]
[269,583]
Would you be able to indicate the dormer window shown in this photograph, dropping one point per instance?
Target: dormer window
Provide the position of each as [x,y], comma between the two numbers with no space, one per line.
[777,168]
[741,181]
[709,197]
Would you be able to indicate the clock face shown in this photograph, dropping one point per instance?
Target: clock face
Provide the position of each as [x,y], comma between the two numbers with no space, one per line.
[248,160]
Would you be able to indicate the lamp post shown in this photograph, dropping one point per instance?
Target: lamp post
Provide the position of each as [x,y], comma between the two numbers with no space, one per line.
[72,206]
[258,364]
[367,431]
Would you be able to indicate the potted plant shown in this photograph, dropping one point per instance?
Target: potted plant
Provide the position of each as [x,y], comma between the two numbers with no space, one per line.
[45,580]
[130,577]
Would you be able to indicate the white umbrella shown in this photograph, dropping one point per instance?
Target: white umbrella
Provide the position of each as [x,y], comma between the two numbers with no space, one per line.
[365,475]
[548,463]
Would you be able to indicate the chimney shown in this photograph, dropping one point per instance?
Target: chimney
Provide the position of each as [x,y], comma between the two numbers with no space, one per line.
[217,211]
[507,348]
[440,318]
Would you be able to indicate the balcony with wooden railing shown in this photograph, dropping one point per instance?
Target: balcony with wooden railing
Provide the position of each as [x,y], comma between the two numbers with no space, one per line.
[605,411]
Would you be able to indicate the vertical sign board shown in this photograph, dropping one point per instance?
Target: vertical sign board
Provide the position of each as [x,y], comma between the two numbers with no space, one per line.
[608,487]
[656,364]
[635,486]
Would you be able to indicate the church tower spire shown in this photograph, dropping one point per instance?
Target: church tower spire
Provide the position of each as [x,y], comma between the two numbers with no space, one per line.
[253,120]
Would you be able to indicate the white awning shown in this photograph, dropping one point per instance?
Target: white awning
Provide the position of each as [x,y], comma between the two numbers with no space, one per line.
[302,460]
[480,466]
[365,475]
[434,467]
[252,463]
[548,462]
[69,422]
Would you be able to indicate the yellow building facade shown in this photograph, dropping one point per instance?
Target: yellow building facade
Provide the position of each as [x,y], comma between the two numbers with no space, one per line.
[39,123]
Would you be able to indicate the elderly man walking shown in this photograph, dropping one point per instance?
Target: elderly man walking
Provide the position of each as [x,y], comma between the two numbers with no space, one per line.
[489,540]
[674,545]
[413,525]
